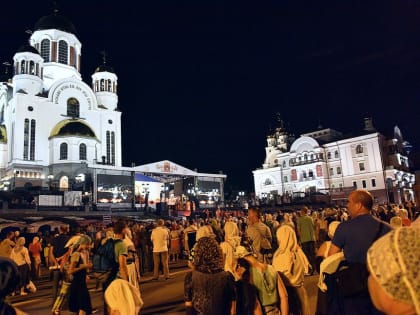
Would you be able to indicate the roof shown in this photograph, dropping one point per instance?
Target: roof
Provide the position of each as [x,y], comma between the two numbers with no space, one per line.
[27,48]
[104,68]
[144,178]
[55,21]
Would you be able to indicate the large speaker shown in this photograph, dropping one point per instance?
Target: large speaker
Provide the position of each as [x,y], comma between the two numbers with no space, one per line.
[162,209]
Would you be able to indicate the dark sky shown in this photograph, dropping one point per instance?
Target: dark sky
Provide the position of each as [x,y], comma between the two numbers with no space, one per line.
[200,82]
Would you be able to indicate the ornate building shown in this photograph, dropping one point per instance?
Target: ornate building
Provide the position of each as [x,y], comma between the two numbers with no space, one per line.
[326,165]
[53,125]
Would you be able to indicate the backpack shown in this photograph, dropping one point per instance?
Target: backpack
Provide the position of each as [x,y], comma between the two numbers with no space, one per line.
[104,257]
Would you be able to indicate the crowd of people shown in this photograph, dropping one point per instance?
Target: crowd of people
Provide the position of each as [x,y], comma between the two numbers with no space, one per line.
[240,263]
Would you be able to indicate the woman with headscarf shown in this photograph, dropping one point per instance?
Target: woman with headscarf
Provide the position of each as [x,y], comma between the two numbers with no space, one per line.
[20,255]
[79,298]
[393,262]
[290,261]
[232,239]
[175,243]
[208,289]
[35,250]
[133,263]
[271,292]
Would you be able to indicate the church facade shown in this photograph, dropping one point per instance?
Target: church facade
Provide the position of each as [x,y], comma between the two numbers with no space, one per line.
[54,126]
[325,166]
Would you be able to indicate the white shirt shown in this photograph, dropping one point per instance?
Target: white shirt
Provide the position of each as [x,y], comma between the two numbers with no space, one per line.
[160,238]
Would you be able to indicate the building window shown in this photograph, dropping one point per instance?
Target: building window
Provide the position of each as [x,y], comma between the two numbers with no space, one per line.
[305,157]
[363,183]
[102,85]
[63,52]
[267,182]
[26,139]
[31,67]
[284,163]
[355,185]
[359,149]
[373,182]
[338,170]
[336,155]
[32,141]
[113,148]
[331,171]
[82,151]
[311,173]
[328,155]
[285,179]
[73,107]
[361,166]
[22,67]
[108,147]
[45,50]
[63,151]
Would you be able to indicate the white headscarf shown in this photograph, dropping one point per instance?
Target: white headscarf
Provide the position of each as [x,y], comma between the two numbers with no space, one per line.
[123,297]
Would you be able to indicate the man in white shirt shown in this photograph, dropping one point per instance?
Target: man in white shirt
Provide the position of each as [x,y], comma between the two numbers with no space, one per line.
[160,240]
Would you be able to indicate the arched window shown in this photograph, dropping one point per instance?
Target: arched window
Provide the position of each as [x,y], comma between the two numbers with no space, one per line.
[64,183]
[336,155]
[45,50]
[329,155]
[284,163]
[73,107]
[102,85]
[32,141]
[63,151]
[359,149]
[96,86]
[22,67]
[82,151]
[109,87]
[305,157]
[26,139]
[32,67]
[63,54]
[37,69]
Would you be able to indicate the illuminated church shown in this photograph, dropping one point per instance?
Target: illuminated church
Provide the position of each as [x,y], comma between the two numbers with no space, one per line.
[53,125]
[59,133]
[325,166]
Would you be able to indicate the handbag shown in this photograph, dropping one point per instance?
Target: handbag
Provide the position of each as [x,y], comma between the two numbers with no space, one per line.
[351,278]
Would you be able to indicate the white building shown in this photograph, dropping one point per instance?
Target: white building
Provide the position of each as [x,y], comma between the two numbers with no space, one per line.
[62,134]
[327,165]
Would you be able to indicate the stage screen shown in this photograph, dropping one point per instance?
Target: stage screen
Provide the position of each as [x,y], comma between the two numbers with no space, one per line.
[114,188]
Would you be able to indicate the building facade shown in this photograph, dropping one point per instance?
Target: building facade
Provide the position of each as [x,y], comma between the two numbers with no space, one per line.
[326,165]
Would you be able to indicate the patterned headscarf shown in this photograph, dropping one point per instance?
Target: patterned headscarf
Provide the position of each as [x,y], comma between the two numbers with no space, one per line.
[208,256]
[393,261]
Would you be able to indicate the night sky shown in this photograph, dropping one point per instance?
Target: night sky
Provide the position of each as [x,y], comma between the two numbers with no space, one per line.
[200,82]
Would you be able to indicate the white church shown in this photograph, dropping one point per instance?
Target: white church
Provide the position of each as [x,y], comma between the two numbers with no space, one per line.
[326,165]
[59,133]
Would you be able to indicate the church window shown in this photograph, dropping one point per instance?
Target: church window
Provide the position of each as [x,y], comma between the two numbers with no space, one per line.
[63,52]
[37,69]
[32,67]
[362,166]
[359,149]
[26,139]
[338,170]
[267,182]
[363,183]
[285,179]
[329,155]
[32,141]
[108,147]
[336,155]
[373,182]
[284,163]
[63,151]
[82,151]
[30,108]
[96,86]
[331,171]
[102,85]
[305,157]
[311,173]
[112,148]
[22,67]
[45,50]
[109,87]
[73,107]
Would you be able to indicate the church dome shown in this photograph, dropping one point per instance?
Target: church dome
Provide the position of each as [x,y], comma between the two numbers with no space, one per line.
[104,68]
[55,21]
[72,127]
[28,48]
